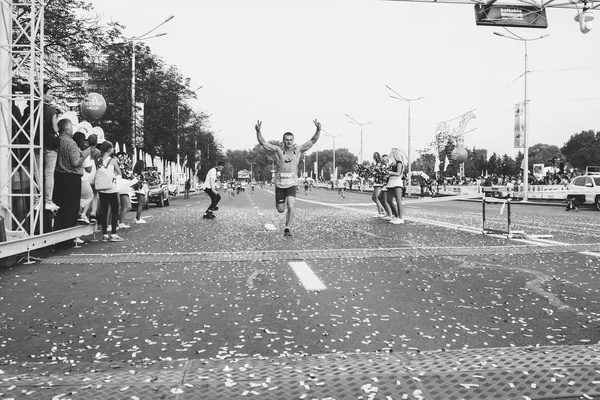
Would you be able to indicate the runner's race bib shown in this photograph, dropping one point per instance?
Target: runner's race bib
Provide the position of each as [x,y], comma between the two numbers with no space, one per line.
[287,178]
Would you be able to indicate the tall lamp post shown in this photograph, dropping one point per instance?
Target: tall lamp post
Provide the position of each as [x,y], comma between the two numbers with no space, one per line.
[402,98]
[252,171]
[133,105]
[525,114]
[355,122]
[179,130]
[334,176]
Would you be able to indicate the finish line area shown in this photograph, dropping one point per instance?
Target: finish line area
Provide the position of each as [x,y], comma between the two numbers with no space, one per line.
[553,372]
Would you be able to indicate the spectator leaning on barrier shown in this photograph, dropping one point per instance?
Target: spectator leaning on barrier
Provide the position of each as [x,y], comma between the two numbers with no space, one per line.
[67,175]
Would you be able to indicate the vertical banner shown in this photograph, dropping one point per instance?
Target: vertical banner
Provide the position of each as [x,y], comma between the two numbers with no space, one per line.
[139,125]
[519,125]
[316,169]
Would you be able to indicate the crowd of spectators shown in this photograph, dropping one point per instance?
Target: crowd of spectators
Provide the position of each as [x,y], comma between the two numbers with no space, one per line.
[72,154]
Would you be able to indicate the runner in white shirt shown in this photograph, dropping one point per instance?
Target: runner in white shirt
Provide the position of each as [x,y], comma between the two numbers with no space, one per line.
[210,187]
[286,170]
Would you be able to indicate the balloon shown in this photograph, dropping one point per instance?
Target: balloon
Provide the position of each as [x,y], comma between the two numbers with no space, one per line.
[100,133]
[84,127]
[459,154]
[93,106]
[70,115]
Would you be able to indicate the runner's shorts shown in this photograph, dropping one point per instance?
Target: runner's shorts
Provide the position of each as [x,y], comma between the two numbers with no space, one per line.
[281,194]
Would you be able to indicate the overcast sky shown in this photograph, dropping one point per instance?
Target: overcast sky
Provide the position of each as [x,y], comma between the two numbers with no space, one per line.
[287,62]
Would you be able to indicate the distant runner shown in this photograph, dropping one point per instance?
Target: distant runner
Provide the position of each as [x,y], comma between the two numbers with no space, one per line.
[286,170]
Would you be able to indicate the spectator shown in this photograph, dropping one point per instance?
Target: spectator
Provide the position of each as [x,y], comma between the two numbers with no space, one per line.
[188,186]
[395,184]
[141,190]
[109,197]
[124,184]
[87,194]
[68,174]
[95,153]
[50,127]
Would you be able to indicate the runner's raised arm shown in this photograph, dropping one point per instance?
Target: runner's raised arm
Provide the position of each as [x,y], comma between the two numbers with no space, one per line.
[306,146]
[261,140]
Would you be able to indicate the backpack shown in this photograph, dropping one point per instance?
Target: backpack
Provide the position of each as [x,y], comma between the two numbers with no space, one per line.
[104,180]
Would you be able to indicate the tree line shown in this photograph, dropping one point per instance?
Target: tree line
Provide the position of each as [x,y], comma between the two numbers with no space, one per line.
[75,35]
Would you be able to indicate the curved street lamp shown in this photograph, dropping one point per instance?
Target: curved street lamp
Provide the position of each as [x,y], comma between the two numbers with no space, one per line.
[402,98]
[133,105]
[333,174]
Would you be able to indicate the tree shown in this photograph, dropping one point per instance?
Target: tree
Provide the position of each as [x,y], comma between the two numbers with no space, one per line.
[583,149]
[72,33]
[425,163]
[543,154]
[493,165]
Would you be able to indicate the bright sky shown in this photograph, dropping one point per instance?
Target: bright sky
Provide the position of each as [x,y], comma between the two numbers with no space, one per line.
[288,62]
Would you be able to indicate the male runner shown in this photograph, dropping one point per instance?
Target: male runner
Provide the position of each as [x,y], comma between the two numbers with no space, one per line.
[286,171]
[210,186]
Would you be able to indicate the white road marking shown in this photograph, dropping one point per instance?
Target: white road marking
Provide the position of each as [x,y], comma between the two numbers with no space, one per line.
[250,280]
[307,277]
[590,253]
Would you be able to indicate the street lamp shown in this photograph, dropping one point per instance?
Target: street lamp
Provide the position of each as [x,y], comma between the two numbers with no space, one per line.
[525,130]
[361,134]
[333,137]
[402,98]
[133,106]
[252,170]
[179,129]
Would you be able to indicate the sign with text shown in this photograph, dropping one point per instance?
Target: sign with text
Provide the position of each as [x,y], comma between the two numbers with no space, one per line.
[516,16]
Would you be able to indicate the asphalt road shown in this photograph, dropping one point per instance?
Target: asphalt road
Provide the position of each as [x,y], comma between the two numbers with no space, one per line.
[439,287]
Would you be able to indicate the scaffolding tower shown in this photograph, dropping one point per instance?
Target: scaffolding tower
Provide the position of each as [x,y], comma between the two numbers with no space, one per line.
[21,138]
[21,131]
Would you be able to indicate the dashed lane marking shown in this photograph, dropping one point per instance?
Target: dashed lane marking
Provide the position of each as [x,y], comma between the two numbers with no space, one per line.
[307,277]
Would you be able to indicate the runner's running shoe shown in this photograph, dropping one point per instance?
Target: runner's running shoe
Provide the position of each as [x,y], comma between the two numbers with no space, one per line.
[287,232]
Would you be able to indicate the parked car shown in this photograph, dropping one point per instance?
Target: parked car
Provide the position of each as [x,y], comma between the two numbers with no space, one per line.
[158,189]
[585,190]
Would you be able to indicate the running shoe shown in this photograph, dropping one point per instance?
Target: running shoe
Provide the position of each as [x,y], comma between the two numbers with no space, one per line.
[79,241]
[115,238]
[123,226]
[83,220]
[287,232]
[208,216]
[105,238]
[141,221]
[397,221]
[93,218]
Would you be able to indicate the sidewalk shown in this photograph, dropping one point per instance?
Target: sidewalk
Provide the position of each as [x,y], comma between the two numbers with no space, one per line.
[564,372]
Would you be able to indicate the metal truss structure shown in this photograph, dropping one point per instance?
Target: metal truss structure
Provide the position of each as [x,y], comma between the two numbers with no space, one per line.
[21,134]
[21,138]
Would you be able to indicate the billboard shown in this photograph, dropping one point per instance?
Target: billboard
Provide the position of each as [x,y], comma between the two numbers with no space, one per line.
[243,174]
[516,16]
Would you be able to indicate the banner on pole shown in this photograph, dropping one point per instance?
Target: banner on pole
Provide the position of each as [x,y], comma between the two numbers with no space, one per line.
[519,125]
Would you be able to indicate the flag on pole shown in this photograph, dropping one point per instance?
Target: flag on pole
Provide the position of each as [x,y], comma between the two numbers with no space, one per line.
[446,162]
